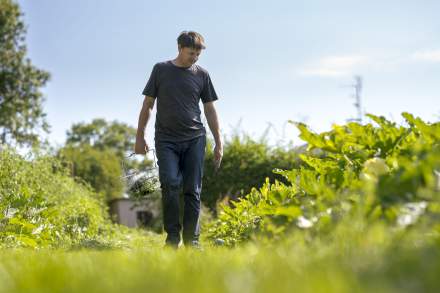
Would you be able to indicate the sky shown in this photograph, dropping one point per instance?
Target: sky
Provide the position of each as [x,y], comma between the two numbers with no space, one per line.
[269,61]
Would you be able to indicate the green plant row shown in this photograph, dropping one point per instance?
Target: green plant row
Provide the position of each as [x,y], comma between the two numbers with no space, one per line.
[383,172]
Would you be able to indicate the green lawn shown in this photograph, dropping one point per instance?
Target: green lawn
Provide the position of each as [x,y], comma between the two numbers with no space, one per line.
[371,263]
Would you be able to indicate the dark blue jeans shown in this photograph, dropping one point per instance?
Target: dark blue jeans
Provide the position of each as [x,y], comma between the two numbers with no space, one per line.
[181,163]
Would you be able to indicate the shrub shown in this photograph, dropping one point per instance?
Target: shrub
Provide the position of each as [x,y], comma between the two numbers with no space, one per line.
[41,205]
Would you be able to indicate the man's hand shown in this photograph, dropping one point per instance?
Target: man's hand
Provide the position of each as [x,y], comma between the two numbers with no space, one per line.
[141,147]
[218,155]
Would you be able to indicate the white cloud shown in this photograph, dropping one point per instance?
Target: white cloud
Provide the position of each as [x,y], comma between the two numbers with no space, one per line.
[335,66]
[427,55]
[346,65]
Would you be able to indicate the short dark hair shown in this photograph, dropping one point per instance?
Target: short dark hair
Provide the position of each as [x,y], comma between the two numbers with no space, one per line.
[191,39]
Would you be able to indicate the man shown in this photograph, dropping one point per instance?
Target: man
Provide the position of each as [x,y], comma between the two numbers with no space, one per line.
[180,137]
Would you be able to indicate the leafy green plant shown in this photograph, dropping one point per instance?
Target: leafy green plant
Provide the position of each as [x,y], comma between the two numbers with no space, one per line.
[246,163]
[373,171]
[41,205]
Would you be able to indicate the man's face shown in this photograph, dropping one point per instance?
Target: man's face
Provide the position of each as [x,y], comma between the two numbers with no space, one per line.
[190,55]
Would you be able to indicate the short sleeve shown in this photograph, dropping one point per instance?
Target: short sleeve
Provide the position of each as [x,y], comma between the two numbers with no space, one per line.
[208,93]
[151,87]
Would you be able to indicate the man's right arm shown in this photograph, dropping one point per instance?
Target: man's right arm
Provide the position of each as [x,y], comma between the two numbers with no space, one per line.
[141,147]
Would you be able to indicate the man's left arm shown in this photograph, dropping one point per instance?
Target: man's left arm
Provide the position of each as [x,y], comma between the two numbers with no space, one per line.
[211,116]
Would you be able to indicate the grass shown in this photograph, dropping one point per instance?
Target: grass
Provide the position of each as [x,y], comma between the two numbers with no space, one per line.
[362,262]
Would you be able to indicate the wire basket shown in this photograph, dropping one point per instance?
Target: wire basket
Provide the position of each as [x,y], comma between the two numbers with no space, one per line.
[140,184]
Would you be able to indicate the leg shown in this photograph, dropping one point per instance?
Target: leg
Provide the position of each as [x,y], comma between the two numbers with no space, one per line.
[193,161]
[170,179]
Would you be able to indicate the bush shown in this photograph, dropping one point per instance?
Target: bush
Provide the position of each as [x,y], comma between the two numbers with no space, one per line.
[246,163]
[42,206]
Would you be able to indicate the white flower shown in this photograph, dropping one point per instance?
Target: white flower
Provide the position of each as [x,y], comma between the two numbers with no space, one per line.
[304,223]
[11,212]
[411,212]
[38,230]
[376,167]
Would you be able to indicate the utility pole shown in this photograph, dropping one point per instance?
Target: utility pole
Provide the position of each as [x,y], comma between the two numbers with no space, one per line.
[358,88]
[357,96]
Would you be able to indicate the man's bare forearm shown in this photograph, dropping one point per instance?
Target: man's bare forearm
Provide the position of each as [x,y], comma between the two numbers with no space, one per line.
[144,117]
[211,117]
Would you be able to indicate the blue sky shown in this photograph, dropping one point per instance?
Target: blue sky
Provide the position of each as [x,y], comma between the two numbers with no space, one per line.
[270,61]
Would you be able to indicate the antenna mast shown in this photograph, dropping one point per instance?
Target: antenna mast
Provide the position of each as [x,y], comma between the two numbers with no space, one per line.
[358,89]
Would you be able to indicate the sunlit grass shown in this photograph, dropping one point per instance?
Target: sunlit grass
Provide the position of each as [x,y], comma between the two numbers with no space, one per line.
[362,262]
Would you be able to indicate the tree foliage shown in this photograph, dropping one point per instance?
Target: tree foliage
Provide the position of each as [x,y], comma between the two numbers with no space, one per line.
[101,134]
[98,152]
[21,101]
[99,168]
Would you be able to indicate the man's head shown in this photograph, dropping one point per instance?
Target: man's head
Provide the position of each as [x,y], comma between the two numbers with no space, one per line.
[190,45]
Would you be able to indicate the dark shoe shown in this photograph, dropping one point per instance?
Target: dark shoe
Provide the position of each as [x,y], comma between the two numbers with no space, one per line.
[194,245]
[172,246]
[172,241]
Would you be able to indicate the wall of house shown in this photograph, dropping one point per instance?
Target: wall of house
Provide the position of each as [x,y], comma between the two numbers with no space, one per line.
[125,212]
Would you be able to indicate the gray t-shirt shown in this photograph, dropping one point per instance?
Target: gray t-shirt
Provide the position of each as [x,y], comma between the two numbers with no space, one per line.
[178,91]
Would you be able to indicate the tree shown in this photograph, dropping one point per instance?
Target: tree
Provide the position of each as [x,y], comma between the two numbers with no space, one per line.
[101,135]
[98,154]
[21,102]
[116,136]
[100,168]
